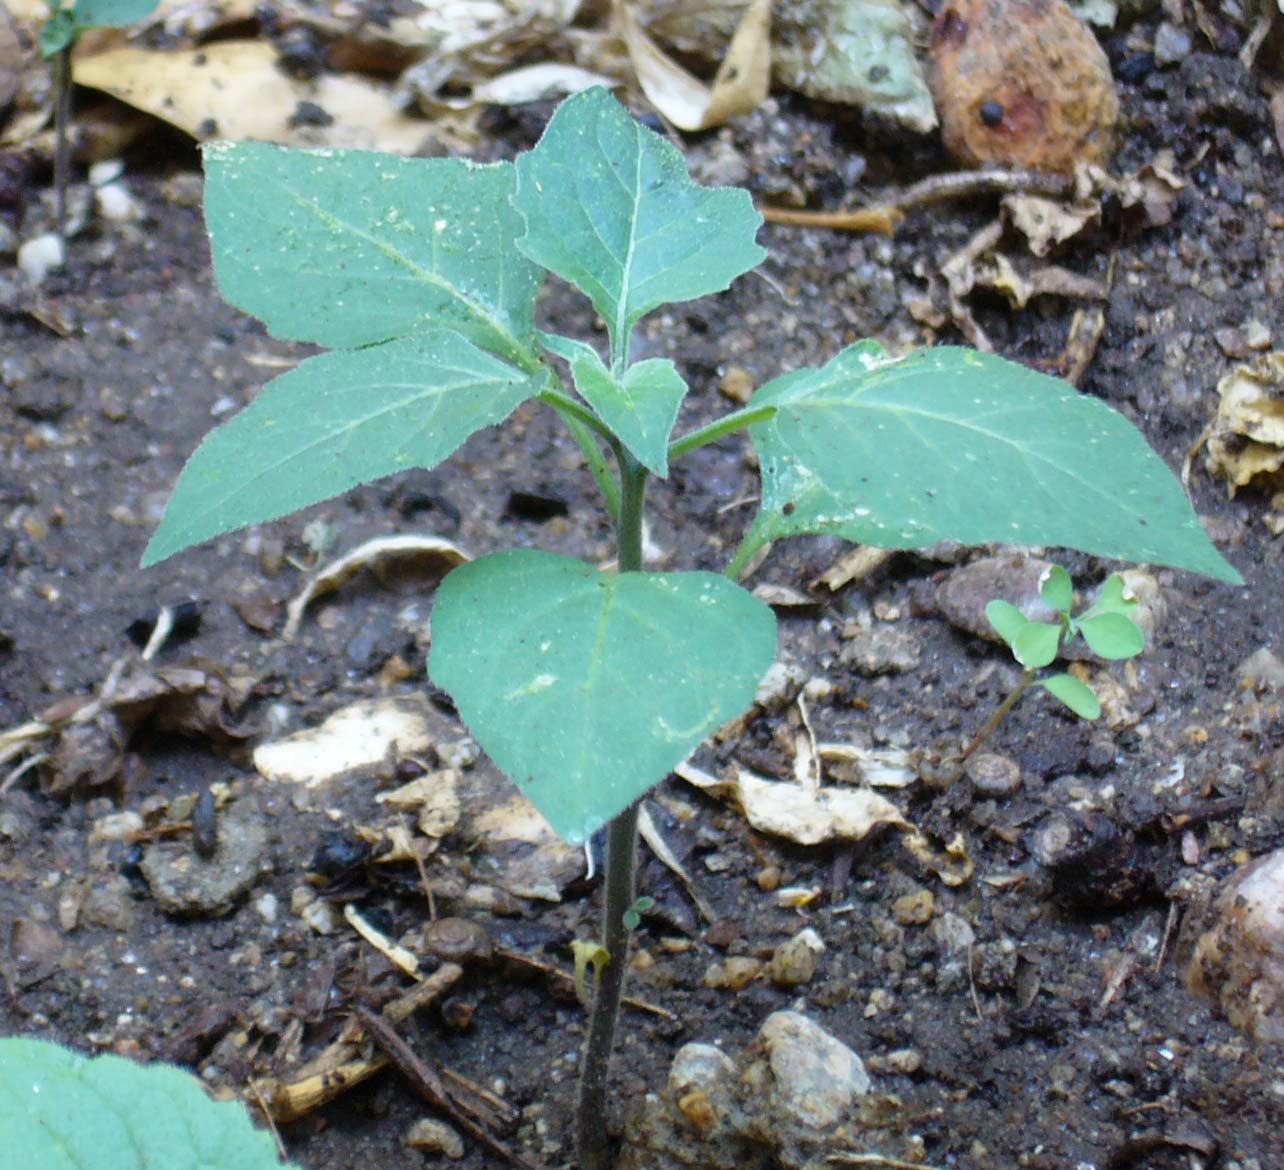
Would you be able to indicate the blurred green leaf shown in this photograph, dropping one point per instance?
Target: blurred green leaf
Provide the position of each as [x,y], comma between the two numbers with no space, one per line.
[1076,695]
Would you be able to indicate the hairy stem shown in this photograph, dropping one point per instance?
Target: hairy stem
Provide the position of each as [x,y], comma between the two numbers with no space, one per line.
[592,1135]
[1003,708]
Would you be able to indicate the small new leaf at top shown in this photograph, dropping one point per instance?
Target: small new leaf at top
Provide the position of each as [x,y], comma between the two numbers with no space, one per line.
[609,207]
[66,24]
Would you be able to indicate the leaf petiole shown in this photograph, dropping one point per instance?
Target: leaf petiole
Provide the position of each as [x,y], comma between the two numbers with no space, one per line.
[709,433]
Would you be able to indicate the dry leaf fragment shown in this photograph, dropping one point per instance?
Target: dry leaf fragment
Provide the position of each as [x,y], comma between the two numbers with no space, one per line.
[361,735]
[236,89]
[373,554]
[741,84]
[1246,438]
[801,813]
[520,853]
[434,798]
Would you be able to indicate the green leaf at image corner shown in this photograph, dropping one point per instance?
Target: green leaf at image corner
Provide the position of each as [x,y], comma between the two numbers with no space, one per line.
[349,248]
[640,407]
[609,207]
[948,443]
[335,421]
[65,24]
[587,688]
[63,1111]
[1079,697]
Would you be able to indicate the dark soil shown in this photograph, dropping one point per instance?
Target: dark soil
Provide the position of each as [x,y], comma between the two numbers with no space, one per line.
[1060,1033]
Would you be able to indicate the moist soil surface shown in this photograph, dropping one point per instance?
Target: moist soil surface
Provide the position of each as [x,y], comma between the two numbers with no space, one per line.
[1018,1003]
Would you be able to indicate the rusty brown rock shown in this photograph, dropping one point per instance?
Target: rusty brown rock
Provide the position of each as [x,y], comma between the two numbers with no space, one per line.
[1021,83]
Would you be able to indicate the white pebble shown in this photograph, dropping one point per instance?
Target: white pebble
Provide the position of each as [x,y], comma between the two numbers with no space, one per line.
[40,255]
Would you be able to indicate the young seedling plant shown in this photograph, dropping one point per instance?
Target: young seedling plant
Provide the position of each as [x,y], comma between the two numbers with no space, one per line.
[58,37]
[588,686]
[1107,626]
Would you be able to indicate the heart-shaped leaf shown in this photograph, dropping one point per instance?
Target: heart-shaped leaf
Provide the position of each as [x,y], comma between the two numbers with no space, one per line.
[952,444]
[640,407]
[335,421]
[610,208]
[63,1111]
[347,248]
[1056,589]
[586,687]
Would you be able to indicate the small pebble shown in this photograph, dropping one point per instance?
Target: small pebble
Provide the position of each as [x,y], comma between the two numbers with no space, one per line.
[1172,44]
[430,1136]
[914,909]
[40,255]
[1239,961]
[992,774]
[817,1077]
[794,961]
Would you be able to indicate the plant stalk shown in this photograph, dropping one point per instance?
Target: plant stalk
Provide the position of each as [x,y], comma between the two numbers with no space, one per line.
[1003,708]
[592,1135]
[62,160]
[728,424]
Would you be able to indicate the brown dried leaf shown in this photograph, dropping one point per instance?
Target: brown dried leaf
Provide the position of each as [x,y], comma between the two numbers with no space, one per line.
[1246,438]
[741,84]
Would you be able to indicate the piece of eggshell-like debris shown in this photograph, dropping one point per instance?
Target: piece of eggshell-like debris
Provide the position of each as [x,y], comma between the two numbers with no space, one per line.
[1021,83]
[1239,961]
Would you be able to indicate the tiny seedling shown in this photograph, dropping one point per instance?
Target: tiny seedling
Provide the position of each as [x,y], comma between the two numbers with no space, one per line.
[58,37]
[588,687]
[63,1111]
[1107,626]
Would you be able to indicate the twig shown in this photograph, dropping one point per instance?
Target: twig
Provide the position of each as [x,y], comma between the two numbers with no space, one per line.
[849,1159]
[271,1121]
[566,978]
[424,1080]
[883,217]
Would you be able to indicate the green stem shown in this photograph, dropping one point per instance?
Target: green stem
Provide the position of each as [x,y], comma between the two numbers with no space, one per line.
[585,439]
[592,1135]
[62,118]
[1003,708]
[568,407]
[743,554]
[736,421]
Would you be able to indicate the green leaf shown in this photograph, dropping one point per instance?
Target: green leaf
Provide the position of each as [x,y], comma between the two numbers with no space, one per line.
[1056,589]
[111,13]
[335,421]
[59,31]
[1074,694]
[347,248]
[1112,635]
[1037,644]
[952,444]
[1007,620]
[641,407]
[1113,598]
[587,688]
[610,208]
[66,24]
[63,1111]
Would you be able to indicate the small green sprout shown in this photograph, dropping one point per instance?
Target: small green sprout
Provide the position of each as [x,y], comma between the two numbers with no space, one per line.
[58,37]
[1108,626]
[633,915]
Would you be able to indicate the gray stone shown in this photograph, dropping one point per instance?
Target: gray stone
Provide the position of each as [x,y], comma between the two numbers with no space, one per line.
[188,885]
[817,1079]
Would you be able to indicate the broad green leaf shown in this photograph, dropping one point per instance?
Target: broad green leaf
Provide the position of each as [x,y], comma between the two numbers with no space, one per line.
[610,208]
[952,444]
[347,247]
[1112,635]
[63,1111]
[337,420]
[1007,620]
[1037,645]
[586,687]
[1056,589]
[1074,694]
[641,407]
